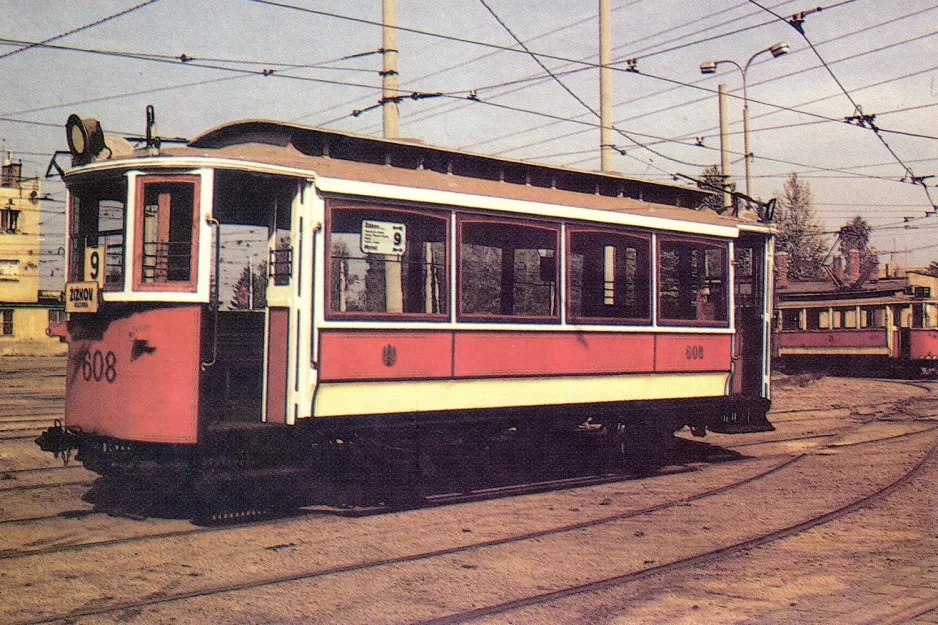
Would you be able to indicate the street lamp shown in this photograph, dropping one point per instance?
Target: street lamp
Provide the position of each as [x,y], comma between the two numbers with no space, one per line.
[710,67]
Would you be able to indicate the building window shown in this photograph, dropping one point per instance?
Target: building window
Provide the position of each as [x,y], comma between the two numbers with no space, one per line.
[609,277]
[167,233]
[6,322]
[508,270]
[9,270]
[9,220]
[56,316]
[692,282]
[387,261]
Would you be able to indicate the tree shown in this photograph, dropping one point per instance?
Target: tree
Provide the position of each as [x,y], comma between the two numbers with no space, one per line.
[713,181]
[798,231]
[855,235]
[242,298]
[933,268]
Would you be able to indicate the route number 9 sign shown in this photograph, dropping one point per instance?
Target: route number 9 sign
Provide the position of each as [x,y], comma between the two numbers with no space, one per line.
[94,265]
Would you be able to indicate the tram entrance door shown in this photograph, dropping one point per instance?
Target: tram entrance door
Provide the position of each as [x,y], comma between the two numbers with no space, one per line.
[246,334]
[750,341]
[748,356]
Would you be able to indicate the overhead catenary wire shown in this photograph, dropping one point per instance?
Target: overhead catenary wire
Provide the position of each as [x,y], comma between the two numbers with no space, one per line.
[79,29]
[616,48]
[679,84]
[861,119]
[265,73]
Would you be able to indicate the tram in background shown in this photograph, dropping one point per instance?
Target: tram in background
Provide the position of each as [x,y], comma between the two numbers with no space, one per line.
[856,322]
[267,290]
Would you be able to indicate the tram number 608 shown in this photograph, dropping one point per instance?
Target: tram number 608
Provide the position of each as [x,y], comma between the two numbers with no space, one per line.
[694,352]
[98,366]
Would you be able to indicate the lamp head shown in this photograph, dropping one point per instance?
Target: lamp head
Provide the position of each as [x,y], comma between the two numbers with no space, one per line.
[85,138]
[708,67]
[779,49]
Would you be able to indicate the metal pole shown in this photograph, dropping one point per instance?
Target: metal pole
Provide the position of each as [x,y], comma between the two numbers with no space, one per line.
[389,78]
[724,149]
[605,85]
[747,154]
[746,150]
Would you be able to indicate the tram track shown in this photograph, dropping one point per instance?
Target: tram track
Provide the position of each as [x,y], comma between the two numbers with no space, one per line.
[434,502]
[274,580]
[235,519]
[365,565]
[703,558]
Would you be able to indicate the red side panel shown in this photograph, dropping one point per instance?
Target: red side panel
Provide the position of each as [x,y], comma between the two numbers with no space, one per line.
[277,358]
[489,354]
[692,352]
[140,380]
[924,344]
[840,338]
[366,355]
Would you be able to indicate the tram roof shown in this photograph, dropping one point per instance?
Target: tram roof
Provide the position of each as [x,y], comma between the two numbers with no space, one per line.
[410,163]
[825,293]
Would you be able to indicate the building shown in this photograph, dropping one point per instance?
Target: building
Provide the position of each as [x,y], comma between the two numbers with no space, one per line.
[25,310]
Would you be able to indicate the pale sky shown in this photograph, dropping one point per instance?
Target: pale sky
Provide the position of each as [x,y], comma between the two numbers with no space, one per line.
[882,53]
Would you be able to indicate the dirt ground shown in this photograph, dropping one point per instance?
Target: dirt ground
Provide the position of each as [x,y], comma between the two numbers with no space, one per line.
[65,558]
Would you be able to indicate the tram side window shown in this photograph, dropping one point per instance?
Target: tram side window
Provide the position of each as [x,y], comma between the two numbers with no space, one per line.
[97,220]
[508,270]
[692,282]
[818,319]
[167,214]
[837,317]
[385,261]
[791,319]
[609,277]
[931,315]
[872,317]
[848,318]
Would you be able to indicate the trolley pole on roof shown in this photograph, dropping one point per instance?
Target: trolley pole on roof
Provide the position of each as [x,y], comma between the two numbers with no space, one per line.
[724,150]
[605,85]
[390,91]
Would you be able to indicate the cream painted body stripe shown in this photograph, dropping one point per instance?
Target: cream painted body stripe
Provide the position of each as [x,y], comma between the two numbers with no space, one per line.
[839,351]
[368,398]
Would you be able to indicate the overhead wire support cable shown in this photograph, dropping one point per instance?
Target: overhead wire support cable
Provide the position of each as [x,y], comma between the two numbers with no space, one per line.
[797,22]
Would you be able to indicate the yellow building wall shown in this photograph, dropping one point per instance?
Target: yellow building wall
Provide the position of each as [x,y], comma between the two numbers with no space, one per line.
[29,336]
[19,249]
[19,266]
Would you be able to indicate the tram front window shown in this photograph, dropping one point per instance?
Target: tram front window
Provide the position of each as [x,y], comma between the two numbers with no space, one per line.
[167,223]
[97,221]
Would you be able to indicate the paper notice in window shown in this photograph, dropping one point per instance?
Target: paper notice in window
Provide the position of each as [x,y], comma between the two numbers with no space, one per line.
[383,237]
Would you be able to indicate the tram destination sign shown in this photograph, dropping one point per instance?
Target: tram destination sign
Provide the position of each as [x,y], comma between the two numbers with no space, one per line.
[383,237]
[81,297]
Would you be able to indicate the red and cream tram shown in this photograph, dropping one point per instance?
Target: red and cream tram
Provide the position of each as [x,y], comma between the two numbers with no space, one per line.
[269,286]
[858,323]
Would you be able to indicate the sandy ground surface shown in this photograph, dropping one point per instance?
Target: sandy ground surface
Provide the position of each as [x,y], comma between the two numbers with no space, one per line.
[64,555]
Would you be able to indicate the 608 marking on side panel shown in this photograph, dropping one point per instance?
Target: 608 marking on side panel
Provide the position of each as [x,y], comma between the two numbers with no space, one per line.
[97,366]
[694,352]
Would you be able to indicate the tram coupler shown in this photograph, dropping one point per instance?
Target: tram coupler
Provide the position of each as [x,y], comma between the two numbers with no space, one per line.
[59,440]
